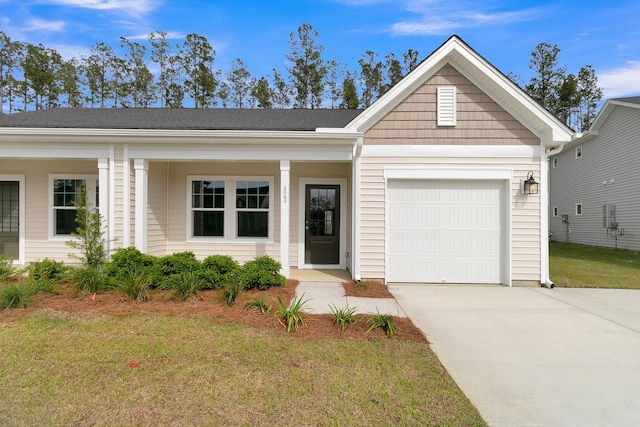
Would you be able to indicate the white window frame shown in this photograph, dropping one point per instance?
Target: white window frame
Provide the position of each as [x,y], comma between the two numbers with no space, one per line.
[578,209]
[578,151]
[446,105]
[230,210]
[555,211]
[91,182]
[555,162]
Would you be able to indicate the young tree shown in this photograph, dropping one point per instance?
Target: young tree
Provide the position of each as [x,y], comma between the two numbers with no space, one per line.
[239,79]
[334,88]
[262,93]
[281,91]
[349,93]
[393,72]
[308,69]
[197,58]
[371,76]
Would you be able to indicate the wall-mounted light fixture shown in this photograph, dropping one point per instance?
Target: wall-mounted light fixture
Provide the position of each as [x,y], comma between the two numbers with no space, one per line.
[530,186]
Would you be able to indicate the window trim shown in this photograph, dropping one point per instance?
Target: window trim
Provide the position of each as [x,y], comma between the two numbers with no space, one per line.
[578,151]
[90,179]
[555,211]
[578,209]
[230,234]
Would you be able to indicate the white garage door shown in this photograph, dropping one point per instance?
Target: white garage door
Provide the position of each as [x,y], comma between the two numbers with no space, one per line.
[444,231]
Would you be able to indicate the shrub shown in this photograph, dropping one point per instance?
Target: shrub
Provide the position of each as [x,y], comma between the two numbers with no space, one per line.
[135,284]
[217,270]
[89,280]
[384,321]
[126,260]
[259,304]
[7,269]
[343,316]
[291,317]
[184,286]
[15,295]
[231,290]
[174,265]
[47,269]
[261,273]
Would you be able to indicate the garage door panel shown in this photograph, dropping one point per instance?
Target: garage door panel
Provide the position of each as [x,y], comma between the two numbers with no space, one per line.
[445,231]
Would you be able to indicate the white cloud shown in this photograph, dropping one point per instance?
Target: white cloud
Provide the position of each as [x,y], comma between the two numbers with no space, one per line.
[622,81]
[133,7]
[42,25]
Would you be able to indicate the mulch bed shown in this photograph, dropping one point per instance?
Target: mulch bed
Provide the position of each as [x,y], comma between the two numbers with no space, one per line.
[210,304]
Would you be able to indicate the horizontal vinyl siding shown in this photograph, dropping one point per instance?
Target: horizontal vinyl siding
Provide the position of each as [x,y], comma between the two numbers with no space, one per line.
[612,155]
[36,172]
[157,211]
[480,120]
[525,232]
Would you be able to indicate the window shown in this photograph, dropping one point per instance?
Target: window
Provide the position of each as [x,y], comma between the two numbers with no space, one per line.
[252,206]
[555,162]
[446,96]
[65,192]
[578,151]
[579,209]
[555,211]
[207,204]
[231,209]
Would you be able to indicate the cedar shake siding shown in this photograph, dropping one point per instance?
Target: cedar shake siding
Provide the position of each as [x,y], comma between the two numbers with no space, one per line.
[480,120]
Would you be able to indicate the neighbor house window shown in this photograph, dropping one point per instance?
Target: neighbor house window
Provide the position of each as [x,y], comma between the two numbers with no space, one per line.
[555,211]
[578,151]
[230,209]
[446,97]
[555,162]
[579,209]
[207,207]
[65,193]
[252,207]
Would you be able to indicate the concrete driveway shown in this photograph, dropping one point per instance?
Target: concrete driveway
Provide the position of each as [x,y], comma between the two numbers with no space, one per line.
[536,356]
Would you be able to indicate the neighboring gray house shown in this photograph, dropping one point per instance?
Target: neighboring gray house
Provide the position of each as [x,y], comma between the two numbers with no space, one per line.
[595,191]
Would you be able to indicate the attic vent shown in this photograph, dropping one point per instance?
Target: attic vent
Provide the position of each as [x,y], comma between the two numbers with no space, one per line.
[446,105]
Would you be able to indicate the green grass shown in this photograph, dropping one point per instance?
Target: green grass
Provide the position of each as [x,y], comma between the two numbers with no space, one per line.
[61,369]
[582,266]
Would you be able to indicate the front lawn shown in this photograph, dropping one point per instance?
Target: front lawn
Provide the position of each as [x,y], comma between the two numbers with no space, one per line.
[582,266]
[63,368]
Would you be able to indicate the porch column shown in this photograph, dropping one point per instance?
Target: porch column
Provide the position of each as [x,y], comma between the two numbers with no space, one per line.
[103,200]
[285,213]
[141,168]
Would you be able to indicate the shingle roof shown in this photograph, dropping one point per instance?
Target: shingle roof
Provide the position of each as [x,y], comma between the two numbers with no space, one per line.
[630,99]
[187,119]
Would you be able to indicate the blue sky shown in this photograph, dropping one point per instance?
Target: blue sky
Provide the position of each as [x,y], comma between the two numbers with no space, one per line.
[605,35]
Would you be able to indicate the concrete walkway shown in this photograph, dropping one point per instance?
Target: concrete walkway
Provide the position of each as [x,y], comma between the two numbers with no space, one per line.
[536,356]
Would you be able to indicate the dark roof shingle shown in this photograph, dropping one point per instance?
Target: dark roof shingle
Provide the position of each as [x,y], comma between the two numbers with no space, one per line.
[184,118]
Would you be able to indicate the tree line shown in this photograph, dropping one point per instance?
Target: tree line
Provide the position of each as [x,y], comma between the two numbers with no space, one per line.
[34,77]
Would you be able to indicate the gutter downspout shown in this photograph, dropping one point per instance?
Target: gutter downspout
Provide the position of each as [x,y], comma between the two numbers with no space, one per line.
[544,168]
[355,228]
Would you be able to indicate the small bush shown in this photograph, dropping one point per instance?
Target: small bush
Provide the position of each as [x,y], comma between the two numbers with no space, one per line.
[47,269]
[343,316]
[7,269]
[15,295]
[135,284]
[184,286]
[291,317]
[125,260]
[217,270]
[258,303]
[175,264]
[384,321]
[261,273]
[231,290]
[89,280]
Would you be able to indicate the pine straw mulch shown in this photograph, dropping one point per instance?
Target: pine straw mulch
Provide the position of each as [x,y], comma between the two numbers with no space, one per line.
[210,304]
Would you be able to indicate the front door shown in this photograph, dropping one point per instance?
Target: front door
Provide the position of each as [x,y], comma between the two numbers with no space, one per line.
[9,218]
[322,224]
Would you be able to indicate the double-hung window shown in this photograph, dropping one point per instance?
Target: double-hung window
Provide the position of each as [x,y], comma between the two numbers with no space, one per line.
[230,208]
[65,192]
